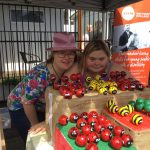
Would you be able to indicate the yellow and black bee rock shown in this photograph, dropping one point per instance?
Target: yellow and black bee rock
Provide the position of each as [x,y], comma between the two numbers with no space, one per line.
[130,108]
[98,77]
[103,91]
[137,119]
[109,103]
[93,85]
[88,79]
[113,108]
[123,111]
[112,90]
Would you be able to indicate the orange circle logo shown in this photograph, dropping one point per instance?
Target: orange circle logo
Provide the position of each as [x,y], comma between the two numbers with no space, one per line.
[128,13]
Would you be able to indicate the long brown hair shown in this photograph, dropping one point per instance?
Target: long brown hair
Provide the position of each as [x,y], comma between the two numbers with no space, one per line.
[96,45]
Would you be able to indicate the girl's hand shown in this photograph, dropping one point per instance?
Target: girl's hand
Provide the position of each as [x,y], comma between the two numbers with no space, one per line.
[39,127]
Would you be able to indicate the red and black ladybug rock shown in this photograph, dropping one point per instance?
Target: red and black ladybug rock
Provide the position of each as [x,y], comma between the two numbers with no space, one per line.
[84,115]
[73,132]
[81,122]
[123,73]
[79,76]
[108,125]
[68,94]
[64,79]
[73,77]
[56,86]
[116,143]
[79,93]
[123,86]
[86,129]
[72,88]
[93,114]
[118,73]
[74,117]
[131,86]
[127,140]
[91,146]
[98,128]
[101,119]
[52,78]
[140,86]
[63,120]
[118,131]
[113,75]
[81,140]
[93,137]
[63,90]
[106,135]
[92,121]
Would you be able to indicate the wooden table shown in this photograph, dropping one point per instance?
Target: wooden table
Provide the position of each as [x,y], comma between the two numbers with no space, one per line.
[2,140]
[38,142]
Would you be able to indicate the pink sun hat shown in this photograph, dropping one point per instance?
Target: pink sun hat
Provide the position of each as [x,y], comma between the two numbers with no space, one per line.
[63,41]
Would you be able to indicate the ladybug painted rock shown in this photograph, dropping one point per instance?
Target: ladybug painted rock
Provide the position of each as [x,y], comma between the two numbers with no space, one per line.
[101,119]
[79,76]
[118,131]
[106,135]
[86,129]
[112,75]
[81,140]
[123,73]
[127,140]
[63,90]
[56,86]
[116,143]
[93,114]
[84,89]
[108,125]
[72,89]
[64,79]
[93,137]
[74,117]
[84,115]
[73,132]
[98,128]
[131,86]
[73,77]
[92,121]
[118,74]
[63,120]
[91,146]
[52,78]
[79,85]
[68,94]
[140,86]
[81,122]
[123,86]
[79,93]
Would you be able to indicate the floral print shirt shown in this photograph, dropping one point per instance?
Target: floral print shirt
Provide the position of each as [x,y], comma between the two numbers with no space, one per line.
[31,89]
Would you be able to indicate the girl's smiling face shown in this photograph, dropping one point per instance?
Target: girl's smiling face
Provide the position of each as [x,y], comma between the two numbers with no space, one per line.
[97,61]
